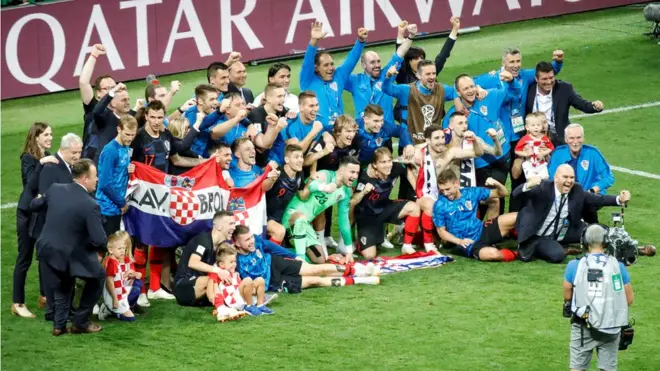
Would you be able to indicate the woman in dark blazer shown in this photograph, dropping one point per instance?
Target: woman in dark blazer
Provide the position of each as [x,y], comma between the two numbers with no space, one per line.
[35,155]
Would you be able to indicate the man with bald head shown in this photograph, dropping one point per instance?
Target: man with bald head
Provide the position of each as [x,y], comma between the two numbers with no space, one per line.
[551,216]
[367,87]
[237,80]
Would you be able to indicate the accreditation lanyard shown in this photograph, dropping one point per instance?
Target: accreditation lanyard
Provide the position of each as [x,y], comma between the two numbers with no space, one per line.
[498,127]
[332,97]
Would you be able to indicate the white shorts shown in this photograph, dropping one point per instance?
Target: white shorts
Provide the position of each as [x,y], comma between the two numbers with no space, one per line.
[123,303]
[540,170]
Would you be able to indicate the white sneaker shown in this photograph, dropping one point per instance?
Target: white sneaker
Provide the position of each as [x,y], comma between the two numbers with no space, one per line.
[142,301]
[387,244]
[331,243]
[159,294]
[270,298]
[104,312]
[407,250]
[366,280]
[225,314]
[373,269]
[430,247]
[95,310]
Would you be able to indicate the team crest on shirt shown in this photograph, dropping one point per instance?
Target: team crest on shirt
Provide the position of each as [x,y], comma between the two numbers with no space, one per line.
[259,254]
[468,205]
[340,197]
[167,145]
[363,241]
[585,164]
[333,85]
[379,141]
[185,182]
[483,110]
[352,152]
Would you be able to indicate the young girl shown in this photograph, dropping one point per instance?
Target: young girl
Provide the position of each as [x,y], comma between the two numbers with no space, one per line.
[122,284]
[229,299]
[535,147]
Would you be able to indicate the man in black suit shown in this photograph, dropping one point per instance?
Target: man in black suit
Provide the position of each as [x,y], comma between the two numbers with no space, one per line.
[106,114]
[554,98]
[237,78]
[552,212]
[60,172]
[69,246]
[54,173]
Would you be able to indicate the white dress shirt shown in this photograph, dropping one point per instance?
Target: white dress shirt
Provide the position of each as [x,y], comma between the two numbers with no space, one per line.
[548,223]
[543,103]
[67,165]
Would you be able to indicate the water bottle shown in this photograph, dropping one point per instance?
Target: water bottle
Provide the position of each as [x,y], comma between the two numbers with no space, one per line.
[152,79]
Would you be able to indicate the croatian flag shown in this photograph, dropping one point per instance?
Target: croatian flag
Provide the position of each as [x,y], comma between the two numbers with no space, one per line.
[168,210]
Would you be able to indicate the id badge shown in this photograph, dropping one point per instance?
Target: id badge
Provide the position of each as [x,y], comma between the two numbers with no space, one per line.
[258,126]
[517,121]
[500,136]
[563,230]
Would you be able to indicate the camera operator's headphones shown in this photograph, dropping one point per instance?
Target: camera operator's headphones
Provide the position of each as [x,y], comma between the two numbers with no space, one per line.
[606,237]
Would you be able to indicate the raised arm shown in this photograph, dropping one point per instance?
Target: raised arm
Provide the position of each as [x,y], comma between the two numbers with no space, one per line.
[307,72]
[343,72]
[444,54]
[84,81]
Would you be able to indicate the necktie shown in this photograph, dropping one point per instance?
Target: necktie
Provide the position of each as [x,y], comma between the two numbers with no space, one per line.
[555,230]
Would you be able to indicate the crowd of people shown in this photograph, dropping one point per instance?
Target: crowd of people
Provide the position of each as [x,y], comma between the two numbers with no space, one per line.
[451,168]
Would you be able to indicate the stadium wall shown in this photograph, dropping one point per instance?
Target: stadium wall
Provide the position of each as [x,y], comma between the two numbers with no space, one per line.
[44,47]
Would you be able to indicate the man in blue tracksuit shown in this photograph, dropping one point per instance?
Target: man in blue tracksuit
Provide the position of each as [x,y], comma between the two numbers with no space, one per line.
[483,115]
[318,73]
[591,168]
[375,132]
[512,114]
[113,170]
[367,87]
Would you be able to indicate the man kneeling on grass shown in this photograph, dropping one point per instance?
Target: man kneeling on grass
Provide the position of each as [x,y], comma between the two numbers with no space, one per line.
[283,272]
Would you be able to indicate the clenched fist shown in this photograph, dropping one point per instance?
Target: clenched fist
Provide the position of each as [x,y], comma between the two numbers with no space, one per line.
[362,34]
[558,56]
[98,50]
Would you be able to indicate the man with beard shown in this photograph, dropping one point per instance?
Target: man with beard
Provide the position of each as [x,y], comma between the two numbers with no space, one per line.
[482,115]
[366,87]
[318,73]
[455,217]
[424,98]
[433,158]
[271,115]
[289,183]
[329,189]
[552,214]
[327,155]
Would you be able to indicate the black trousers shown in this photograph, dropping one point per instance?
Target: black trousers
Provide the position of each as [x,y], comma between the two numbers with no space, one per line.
[544,248]
[497,170]
[62,286]
[111,224]
[24,258]
[515,204]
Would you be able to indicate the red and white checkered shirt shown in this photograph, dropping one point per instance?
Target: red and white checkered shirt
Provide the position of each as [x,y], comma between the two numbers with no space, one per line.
[228,295]
[116,270]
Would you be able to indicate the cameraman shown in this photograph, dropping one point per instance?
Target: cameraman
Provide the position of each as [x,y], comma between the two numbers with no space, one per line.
[594,289]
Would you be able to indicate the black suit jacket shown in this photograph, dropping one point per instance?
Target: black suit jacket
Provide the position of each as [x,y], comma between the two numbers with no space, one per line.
[563,97]
[538,201]
[50,174]
[247,93]
[73,234]
[30,171]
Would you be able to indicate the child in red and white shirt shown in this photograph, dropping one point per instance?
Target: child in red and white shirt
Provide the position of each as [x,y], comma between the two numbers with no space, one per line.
[231,294]
[122,283]
[535,147]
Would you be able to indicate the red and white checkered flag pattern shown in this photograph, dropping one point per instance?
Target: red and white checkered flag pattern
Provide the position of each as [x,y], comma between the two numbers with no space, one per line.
[184,206]
[241,217]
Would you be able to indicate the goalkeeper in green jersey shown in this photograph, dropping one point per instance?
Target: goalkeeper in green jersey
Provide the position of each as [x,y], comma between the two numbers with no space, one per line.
[326,189]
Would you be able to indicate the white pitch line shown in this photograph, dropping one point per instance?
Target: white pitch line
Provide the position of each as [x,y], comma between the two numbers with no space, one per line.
[617,110]
[635,172]
[10,205]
